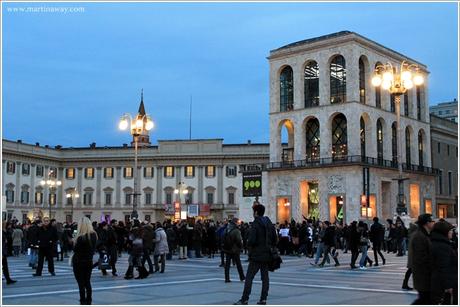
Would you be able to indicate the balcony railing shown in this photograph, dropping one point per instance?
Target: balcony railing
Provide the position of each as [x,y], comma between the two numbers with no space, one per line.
[337,161]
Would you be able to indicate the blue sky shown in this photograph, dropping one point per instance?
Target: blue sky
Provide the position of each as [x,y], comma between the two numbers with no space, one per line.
[67,78]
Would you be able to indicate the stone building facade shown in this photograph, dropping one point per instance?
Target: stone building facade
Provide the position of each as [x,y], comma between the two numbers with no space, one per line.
[336,125]
[103,179]
[444,151]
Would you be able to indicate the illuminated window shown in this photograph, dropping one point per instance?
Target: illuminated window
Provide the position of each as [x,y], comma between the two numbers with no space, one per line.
[414,199]
[89,172]
[108,172]
[379,141]
[38,198]
[190,171]
[128,172]
[52,199]
[339,137]
[312,150]
[70,173]
[148,172]
[210,171]
[420,148]
[169,171]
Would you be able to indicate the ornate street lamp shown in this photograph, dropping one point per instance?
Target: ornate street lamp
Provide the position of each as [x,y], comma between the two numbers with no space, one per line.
[138,124]
[71,195]
[397,80]
[51,184]
[181,190]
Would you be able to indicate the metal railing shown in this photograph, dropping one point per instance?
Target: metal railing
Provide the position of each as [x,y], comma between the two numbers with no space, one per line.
[337,161]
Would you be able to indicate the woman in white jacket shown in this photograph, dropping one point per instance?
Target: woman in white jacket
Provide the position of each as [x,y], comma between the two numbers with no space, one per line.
[161,247]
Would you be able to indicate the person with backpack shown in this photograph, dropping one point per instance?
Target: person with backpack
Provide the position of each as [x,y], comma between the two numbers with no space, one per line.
[261,239]
[232,246]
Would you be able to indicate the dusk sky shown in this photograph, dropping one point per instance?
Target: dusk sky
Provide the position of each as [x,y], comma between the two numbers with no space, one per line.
[68,77]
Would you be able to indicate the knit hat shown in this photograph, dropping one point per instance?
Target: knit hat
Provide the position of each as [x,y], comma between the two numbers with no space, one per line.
[442,227]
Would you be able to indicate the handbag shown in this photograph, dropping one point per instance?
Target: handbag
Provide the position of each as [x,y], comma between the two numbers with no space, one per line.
[104,260]
[275,258]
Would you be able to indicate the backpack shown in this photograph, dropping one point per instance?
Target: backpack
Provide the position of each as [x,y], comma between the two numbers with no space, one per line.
[228,242]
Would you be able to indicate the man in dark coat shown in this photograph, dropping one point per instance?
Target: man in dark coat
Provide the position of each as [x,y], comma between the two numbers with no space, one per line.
[233,243]
[262,236]
[376,236]
[32,238]
[419,259]
[329,240]
[444,267]
[147,243]
[47,237]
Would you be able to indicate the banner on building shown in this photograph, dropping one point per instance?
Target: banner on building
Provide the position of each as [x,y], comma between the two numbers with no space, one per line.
[192,210]
[252,184]
[205,209]
[169,209]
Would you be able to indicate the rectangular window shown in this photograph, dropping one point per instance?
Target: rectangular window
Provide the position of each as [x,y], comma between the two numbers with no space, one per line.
[189,198]
[210,171]
[87,198]
[38,198]
[406,104]
[70,200]
[189,171]
[108,198]
[39,171]
[439,147]
[10,167]
[148,198]
[230,171]
[169,171]
[52,199]
[419,102]
[9,196]
[440,182]
[392,103]
[168,198]
[210,198]
[108,172]
[70,173]
[449,178]
[26,169]
[148,172]
[24,197]
[128,172]
[128,198]
[89,173]
[448,150]
[231,198]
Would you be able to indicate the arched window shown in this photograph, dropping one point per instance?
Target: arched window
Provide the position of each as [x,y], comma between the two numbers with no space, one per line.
[418,92]
[378,94]
[339,137]
[311,84]
[338,78]
[379,141]
[406,103]
[420,148]
[362,135]
[362,81]
[312,140]
[408,157]
[394,143]
[286,89]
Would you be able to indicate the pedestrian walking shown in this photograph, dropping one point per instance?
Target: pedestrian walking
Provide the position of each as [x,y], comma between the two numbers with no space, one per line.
[161,248]
[376,235]
[182,240]
[47,237]
[17,237]
[233,243]
[147,241]
[261,238]
[420,259]
[32,238]
[82,259]
[329,241]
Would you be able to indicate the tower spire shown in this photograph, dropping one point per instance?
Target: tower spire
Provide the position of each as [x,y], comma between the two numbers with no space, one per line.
[141,106]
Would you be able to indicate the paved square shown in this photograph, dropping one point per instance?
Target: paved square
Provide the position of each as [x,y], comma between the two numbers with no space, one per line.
[201,281]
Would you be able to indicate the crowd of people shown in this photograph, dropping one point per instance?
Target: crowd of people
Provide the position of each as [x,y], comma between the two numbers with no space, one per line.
[319,240]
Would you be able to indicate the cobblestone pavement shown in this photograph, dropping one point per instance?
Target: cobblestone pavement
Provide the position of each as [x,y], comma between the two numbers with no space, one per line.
[201,281]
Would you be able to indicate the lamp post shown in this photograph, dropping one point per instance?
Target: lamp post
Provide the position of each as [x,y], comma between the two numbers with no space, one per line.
[138,124]
[51,184]
[71,196]
[181,189]
[397,80]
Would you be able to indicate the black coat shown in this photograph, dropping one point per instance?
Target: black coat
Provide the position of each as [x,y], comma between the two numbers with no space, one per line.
[258,247]
[47,236]
[377,233]
[419,259]
[182,238]
[32,235]
[329,236]
[84,249]
[444,266]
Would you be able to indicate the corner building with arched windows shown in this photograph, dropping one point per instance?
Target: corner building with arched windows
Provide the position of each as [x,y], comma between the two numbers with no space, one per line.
[339,130]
